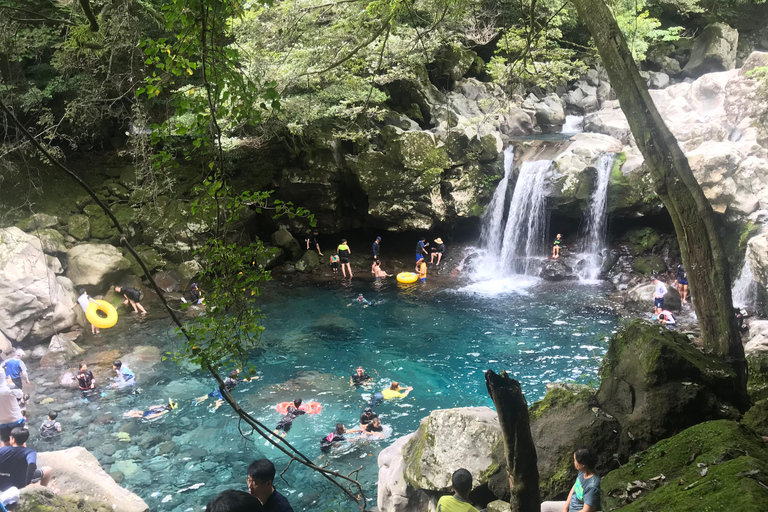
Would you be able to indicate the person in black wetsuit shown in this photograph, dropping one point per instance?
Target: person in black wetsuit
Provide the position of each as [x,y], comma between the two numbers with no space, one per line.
[682,283]
[133,296]
[230,383]
[360,378]
[374,428]
[367,416]
[311,242]
[85,380]
[333,439]
[291,414]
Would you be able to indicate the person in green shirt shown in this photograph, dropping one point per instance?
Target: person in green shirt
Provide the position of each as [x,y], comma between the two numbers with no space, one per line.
[461,482]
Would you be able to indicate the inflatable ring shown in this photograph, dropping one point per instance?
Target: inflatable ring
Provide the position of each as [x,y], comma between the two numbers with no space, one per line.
[99,321]
[407,277]
[309,407]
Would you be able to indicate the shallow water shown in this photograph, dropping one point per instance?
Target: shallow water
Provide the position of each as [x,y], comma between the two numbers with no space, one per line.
[438,341]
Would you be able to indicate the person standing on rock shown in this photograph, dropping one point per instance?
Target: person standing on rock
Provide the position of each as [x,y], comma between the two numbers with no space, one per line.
[461,483]
[585,493]
[556,246]
[82,300]
[343,251]
[15,368]
[682,283]
[376,248]
[261,475]
[421,251]
[312,243]
[133,296]
[10,412]
[658,296]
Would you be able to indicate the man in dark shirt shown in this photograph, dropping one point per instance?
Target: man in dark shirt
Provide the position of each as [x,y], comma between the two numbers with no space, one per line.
[133,296]
[233,501]
[15,459]
[376,247]
[360,378]
[261,474]
[367,416]
[312,243]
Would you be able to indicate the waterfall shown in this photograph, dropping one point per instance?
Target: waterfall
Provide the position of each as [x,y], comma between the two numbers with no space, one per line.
[493,218]
[594,236]
[573,124]
[745,288]
[526,219]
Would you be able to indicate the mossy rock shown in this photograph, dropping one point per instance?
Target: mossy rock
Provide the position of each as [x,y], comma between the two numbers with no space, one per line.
[152,259]
[118,191]
[648,265]
[79,227]
[38,221]
[41,499]
[51,240]
[756,417]
[419,151]
[124,214]
[757,385]
[736,476]
[642,240]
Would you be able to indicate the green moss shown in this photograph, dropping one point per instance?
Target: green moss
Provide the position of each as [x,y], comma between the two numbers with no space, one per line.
[648,265]
[412,454]
[677,458]
[642,239]
[757,385]
[756,417]
[430,177]
[560,396]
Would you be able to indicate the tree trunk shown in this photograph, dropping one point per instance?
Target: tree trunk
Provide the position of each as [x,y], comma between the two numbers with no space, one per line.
[693,218]
[519,449]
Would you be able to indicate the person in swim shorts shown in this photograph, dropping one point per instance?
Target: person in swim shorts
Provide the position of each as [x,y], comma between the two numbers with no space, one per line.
[291,413]
[421,251]
[153,412]
[133,296]
[343,251]
[82,300]
[682,283]
[658,295]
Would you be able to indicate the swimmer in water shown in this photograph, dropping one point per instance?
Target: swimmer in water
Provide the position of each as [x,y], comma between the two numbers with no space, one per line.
[361,301]
[360,378]
[230,383]
[333,439]
[153,412]
[395,391]
[292,412]
[367,416]
[374,428]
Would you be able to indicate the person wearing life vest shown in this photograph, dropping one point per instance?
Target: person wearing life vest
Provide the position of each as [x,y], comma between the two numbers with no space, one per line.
[421,269]
[343,251]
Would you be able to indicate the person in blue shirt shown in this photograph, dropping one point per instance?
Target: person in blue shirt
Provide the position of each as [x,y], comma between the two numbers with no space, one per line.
[585,493]
[16,458]
[15,368]
[420,249]
[125,377]
[261,474]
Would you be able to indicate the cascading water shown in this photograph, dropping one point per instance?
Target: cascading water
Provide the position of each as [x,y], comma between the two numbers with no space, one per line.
[526,220]
[493,219]
[745,288]
[573,124]
[594,236]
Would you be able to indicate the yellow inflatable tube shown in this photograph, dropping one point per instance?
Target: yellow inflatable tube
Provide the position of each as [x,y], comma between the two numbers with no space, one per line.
[99,321]
[407,277]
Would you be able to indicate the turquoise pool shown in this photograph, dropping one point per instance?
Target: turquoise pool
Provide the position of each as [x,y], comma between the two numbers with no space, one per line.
[440,341]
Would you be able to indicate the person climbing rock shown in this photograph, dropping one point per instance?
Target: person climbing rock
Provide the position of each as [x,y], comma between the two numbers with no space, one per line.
[311,242]
[82,300]
[132,296]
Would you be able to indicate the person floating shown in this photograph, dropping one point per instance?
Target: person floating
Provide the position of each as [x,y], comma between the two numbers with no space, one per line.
[360,300]
[360,378]
[82,300]
[667,318]
[334,260]
[461,483]
[125,377]
[585,493]
[343,251]
[261,475]
[658,296]
[15,460]
[374,428]
[153,412]
[311,242]
[395,391]
[230,383]
[85,379]
[421,251]
[335,438]
[437,250]
[377,271]
[376,248]
[15,369]
[681,284]
[132,296]
[421,270]
[50,427]
[556,246]
[291,413]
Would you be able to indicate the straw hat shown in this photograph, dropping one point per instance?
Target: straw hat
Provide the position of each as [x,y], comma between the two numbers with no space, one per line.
[438,240]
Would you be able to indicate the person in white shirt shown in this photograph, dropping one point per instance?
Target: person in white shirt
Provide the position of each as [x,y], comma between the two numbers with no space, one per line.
[83,301]
[658,296]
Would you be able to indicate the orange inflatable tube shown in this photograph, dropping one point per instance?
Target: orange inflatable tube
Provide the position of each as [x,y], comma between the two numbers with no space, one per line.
[308,407]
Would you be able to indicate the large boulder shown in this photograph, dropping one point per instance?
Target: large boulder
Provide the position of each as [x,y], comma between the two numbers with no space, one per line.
[550,115]
[34,302]
[757,343]
[609,121]
[641,296]
[42,499]
[284,239]
[714,50]
[717,465]
[96,266]
[757,254]
[77,473]
[308,262]
[65,343]
[394,493]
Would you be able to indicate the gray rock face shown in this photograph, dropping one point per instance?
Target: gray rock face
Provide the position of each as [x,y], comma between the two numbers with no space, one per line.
[65,343]
[758,338]
[77,473]
[658,80]
[550,114]
[34,302]
[308,262]
[283,238]
[714,50]
[38,221]
[609,121]
[642,296]
[96,265]
[757,254]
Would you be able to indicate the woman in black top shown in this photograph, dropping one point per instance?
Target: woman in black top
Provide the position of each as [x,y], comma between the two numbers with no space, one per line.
[85,379]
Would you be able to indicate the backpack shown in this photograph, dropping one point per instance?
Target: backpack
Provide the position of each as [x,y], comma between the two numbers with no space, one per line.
[48,429]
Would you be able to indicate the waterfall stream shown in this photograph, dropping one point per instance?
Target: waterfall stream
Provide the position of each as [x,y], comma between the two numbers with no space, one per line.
[493,218]
[594,235]
[573,124]
[745,288]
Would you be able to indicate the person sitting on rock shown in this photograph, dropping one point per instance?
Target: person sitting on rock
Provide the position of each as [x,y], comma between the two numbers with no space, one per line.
[133,296]
[82,300]
[233,501]
[461,483]
[125,377]
[312,243]
[585,493]
[15,369]
[195,294]
[15,461]
[153,412]
[378,272]
[437,250]
[50,427]
[556,246]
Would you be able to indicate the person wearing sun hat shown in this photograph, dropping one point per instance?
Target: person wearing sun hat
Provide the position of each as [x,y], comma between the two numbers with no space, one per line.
[437,250]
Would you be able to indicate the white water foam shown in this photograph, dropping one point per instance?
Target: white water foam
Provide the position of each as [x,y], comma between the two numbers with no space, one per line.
[745,288]
[573,124]
[594,236]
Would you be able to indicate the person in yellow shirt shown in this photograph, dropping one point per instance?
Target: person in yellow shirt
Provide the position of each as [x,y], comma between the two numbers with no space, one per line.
[461,482]
[421,269]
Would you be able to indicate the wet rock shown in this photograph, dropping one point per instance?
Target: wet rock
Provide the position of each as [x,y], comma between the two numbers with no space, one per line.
[38,351]
[757,342]
[77,473]
[68,380]
[5,345]
[609,121]
[142,357]
[550,115]
[117,476]
[33,301]
[79,227]
[151,258]
[189,270]
[308,262]
[556,270]
[96,266]
[65,344]
[166,448]
[714,50]
[658,80]
[168,281]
